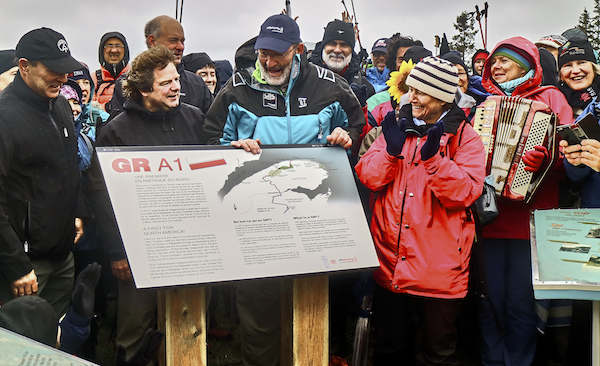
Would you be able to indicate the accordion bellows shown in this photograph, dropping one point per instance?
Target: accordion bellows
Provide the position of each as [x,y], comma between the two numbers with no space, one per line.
[509,127]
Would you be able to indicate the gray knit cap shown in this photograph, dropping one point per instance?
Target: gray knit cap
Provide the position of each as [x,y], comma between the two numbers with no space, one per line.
[435,77]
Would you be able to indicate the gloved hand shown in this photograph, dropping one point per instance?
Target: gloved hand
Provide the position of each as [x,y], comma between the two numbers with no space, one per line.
[394,133]
[84,297]
[360,92]
[535,158]
[432,144]
[143,353]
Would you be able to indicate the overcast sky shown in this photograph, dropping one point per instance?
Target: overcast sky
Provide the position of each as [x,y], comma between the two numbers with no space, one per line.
[218,27]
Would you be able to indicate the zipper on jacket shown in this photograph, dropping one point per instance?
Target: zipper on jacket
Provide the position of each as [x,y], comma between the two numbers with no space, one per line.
[168,129]
[289,119]
[65,131]
[320,135]
[26,227]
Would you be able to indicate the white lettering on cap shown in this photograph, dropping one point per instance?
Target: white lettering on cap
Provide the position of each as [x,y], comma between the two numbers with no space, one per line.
[62,45]
[275,29]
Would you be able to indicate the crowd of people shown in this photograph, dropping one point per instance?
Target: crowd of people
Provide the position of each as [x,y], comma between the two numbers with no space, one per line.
[406,121]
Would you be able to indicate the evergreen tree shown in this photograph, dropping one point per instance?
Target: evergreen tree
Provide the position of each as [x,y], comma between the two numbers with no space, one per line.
[464,41]
[586,24]
[594,36]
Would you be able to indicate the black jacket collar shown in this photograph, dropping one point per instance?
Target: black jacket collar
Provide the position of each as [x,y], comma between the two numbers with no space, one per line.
[32,98]
[160,115]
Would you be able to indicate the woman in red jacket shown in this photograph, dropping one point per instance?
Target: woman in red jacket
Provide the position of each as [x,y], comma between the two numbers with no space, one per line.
[428,167]
[508,319]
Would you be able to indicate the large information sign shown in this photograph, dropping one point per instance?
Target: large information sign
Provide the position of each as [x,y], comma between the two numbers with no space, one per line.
[202,214]
[565,250]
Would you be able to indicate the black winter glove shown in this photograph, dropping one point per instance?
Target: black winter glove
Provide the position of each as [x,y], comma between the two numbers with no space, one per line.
[143,353]
[360,92]
[432,144]
[84,297]
[394,133]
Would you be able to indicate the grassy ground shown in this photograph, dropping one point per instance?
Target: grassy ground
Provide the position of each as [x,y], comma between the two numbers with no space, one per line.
[226,352]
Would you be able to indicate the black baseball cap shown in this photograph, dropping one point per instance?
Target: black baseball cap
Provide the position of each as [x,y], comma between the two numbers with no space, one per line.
[7,60]
[277,34]
[48,47]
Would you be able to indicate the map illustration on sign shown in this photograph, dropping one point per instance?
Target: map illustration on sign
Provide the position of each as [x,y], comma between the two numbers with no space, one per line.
[280,187]
[205,214]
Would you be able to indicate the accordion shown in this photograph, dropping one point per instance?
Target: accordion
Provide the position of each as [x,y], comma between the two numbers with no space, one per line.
[509,127]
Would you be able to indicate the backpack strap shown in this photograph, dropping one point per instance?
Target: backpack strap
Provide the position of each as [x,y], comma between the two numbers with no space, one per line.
[102,83]
[88,142]
[99,80]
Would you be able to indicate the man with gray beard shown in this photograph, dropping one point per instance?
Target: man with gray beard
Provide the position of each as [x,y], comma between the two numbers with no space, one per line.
[336,52]
[277,97]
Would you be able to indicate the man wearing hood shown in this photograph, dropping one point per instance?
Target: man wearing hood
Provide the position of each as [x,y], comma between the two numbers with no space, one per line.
[336,53]
[113,54]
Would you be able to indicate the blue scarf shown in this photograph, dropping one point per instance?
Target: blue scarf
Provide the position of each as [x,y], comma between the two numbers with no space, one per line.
[510,86]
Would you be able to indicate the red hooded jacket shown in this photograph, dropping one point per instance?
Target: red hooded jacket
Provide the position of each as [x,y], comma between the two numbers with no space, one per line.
[422,231]
[513,221]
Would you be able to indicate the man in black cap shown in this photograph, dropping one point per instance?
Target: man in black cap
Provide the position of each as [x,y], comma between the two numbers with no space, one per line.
[336,52]
[8,68]
[379,73]
[281,99]
[39,174]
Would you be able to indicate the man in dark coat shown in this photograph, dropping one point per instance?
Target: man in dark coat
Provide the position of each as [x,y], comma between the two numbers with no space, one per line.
[152,116]
[39,174]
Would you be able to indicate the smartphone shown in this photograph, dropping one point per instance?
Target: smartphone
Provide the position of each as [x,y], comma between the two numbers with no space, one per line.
[586,128]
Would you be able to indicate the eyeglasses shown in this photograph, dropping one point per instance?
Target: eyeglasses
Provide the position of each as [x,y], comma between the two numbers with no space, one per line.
[262,55]
[111,46]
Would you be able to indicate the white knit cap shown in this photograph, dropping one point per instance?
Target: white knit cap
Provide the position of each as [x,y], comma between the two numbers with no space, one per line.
[435,77]
[553,40]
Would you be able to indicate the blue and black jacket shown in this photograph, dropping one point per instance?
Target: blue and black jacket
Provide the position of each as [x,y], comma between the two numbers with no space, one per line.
[315,102]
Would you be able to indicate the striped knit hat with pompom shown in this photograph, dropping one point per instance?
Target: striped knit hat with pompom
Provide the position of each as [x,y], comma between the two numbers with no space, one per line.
[435,77]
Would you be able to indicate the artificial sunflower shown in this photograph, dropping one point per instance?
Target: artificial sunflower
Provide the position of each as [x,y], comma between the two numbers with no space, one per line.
[397,80]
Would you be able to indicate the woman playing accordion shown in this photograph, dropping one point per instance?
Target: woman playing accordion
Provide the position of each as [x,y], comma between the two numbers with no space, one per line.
[508,317]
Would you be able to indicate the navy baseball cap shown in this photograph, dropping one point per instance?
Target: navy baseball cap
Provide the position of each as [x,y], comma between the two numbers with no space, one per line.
[277,34]
[380,45]
[48,47]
